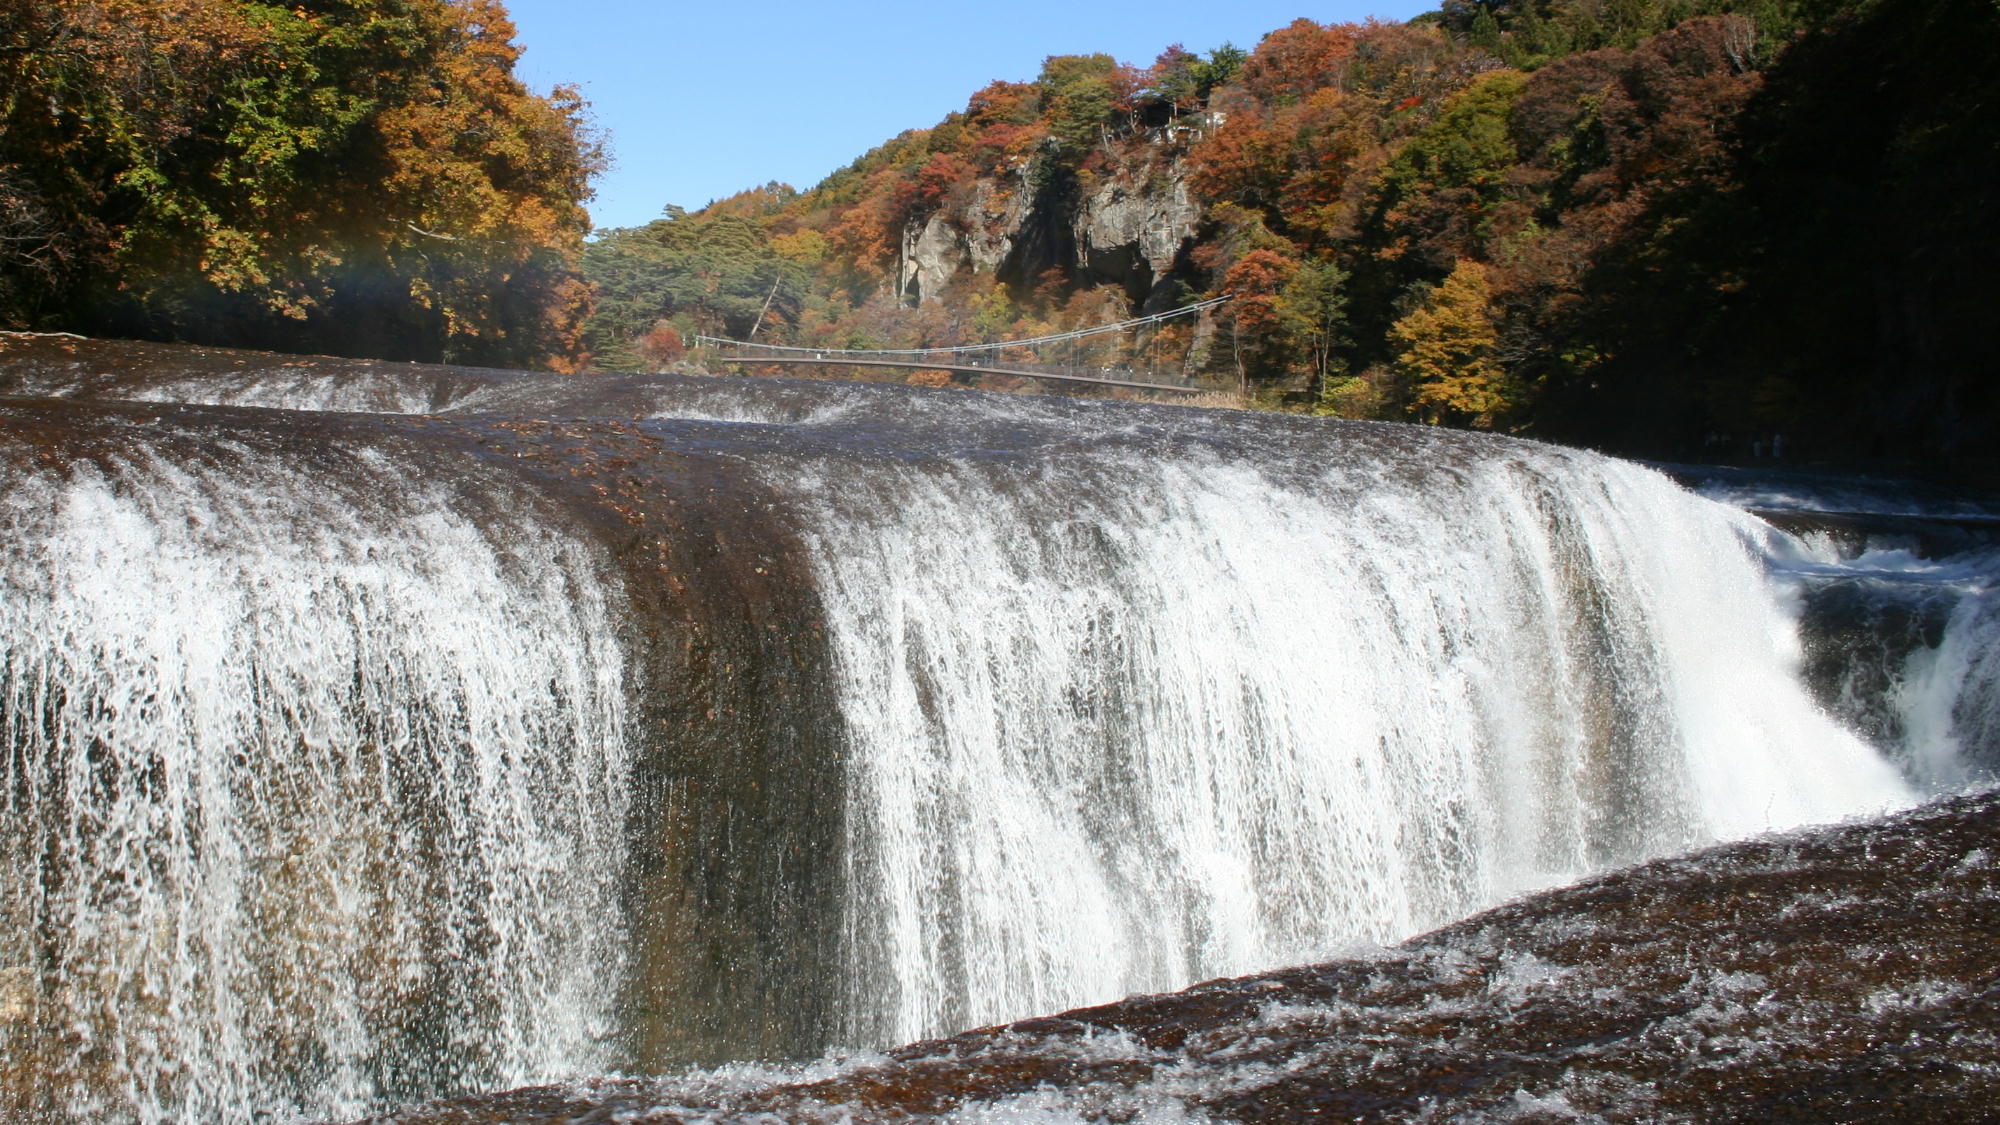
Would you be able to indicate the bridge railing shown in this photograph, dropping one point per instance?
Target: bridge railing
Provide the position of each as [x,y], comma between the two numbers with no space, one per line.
[1102,374]
[1079,371]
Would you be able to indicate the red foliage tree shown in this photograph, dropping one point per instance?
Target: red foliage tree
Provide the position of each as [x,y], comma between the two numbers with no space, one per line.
[1298,59]
[1254,317]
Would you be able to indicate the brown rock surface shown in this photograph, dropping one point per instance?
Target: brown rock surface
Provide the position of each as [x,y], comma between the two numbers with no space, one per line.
[1839,974]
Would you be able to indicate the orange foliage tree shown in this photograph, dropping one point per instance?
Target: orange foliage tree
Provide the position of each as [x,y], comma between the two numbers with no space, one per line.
[1298,59]
[1255,316]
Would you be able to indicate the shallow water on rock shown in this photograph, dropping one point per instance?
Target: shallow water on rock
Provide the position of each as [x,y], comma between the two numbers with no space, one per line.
[1834,974]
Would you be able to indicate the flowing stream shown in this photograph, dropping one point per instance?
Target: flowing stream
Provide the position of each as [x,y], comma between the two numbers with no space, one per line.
[351,758]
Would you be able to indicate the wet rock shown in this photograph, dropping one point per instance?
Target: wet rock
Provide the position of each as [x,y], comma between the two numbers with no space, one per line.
[1837,974]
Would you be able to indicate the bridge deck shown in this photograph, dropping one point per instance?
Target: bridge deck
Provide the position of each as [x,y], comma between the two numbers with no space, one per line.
[972,368]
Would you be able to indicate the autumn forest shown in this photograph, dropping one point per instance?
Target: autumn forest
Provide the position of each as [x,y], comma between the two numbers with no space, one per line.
[1662,227]
[354,177]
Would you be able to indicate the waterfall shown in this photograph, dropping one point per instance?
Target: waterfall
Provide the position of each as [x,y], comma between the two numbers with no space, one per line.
[1908,651]
[587,725]
[1898,586]
[304,783]
[1124,722]
[1950,697]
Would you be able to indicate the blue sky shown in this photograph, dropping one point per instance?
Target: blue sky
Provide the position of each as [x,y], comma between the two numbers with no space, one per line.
[702,100]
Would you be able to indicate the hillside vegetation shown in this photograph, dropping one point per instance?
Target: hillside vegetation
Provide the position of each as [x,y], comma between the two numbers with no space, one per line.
[1663,226]
[1678,227]
[362,177]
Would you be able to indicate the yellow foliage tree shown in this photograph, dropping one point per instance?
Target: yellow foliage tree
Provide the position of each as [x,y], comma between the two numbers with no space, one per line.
[1449,353]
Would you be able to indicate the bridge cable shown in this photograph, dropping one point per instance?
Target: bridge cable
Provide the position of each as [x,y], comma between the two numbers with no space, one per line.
[963,349]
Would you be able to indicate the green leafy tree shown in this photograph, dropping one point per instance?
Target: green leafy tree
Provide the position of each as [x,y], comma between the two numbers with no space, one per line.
[1438,197]
[1173,80]
[1312,309]
[1080,94]
[1221,67]
[707,273]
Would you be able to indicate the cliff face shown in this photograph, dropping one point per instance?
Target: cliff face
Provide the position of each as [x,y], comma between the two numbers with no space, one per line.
[1130,223]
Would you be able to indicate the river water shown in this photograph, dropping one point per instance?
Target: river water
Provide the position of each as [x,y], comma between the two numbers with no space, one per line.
[375,732]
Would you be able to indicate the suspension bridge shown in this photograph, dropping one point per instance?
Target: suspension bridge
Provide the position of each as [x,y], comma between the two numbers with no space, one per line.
[1003,357]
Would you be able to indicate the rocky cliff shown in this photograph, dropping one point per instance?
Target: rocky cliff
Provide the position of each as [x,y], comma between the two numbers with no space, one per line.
[1126,218]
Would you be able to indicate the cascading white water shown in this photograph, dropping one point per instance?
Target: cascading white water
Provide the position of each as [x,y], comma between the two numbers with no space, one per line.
[1901,585]
[382,393]
[1950,696]
[318,782]
[279,383]
[311,791]
[1936,696]
[1124,721]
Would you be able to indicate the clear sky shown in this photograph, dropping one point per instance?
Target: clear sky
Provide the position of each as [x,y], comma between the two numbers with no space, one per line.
[703,98]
